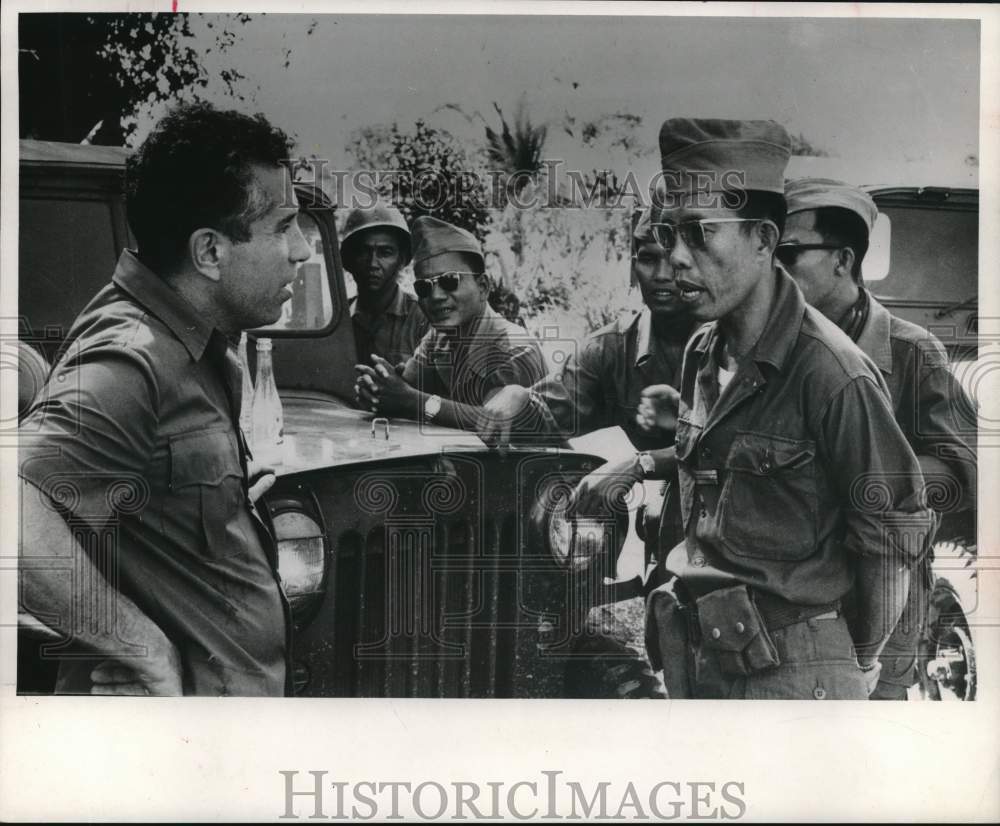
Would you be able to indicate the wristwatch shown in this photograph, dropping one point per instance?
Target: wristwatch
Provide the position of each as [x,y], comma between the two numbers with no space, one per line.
[646,463]
[432,407]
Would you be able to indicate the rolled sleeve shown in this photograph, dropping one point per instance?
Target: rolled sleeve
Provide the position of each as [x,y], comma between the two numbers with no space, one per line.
[419,372]
[876,475]
[525,366]
[574,395]
[88,439]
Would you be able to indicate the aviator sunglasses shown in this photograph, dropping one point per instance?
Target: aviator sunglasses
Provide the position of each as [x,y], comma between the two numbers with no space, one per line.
[788,253]
[447,281]
[691,232]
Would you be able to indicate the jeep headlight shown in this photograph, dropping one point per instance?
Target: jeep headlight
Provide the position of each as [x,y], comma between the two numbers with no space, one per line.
[573,543]
[301,560]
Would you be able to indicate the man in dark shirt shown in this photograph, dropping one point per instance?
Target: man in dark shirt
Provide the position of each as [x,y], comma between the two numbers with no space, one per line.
[139,456]
[796,483]
[471,352]
[823,245]
[602,386]
[387,320]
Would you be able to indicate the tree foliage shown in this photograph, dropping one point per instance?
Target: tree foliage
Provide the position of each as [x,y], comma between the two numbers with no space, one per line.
[86,76]
[423,171]
[801,145]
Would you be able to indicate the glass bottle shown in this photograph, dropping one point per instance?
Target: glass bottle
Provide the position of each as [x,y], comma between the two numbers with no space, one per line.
[268,419]
[246,402]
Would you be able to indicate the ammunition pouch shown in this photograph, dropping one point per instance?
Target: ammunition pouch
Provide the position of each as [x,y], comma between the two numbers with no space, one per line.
[731,626]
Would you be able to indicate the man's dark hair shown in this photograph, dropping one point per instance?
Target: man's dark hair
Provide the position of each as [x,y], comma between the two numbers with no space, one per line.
[845,229]
[764,205]
[195,170]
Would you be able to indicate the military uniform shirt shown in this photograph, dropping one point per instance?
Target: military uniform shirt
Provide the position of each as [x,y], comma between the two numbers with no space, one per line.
[469,368]
[798,465]
[393,334]
[138,438]
[601,385]
[933,411]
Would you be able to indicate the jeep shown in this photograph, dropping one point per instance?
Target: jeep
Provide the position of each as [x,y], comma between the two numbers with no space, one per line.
[417,561]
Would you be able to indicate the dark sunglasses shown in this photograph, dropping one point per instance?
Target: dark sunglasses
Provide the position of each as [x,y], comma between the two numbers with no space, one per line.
[692,233]
[788,254]
[447,281]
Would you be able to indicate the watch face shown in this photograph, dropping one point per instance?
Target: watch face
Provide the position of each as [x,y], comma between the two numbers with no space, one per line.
[647,463]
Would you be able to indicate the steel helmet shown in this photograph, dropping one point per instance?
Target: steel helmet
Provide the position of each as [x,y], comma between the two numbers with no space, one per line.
[379,216]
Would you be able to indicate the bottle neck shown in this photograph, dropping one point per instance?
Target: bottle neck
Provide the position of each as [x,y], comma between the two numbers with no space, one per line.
[265,371]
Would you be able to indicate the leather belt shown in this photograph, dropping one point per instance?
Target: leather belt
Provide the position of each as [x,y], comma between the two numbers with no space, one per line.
[780,613]
[776,612]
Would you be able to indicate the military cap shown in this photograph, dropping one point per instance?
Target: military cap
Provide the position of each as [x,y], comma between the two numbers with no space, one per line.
[379,216]
[814,193]
[432,237]
[642,226]
[714,155]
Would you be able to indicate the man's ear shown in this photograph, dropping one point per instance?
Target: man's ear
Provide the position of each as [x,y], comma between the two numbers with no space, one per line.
[483,281]
[769,236]
[208,249]
[844,268]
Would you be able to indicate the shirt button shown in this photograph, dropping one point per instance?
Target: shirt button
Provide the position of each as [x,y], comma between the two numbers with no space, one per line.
[698,562]
[703,513]
[765,466]
[740,628]
[716,633]
[819,693]
[706,453]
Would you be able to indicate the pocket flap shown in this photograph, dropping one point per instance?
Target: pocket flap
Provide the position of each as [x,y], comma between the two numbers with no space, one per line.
[203,458]
[686,439]
[764,455]
[727,618]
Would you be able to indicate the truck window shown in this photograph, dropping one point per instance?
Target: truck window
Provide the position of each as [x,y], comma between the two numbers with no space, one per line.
[923,255]
[310,308]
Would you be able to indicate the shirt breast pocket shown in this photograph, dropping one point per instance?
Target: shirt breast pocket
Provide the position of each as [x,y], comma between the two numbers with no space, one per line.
[768,504]
[206,485]
[685,445]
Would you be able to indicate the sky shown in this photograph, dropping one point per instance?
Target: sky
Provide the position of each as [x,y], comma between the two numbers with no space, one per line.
[884,97]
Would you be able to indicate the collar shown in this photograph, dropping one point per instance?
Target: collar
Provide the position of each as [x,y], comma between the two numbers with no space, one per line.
[475,335]
[643,336]
[781,330]
[397,307]
[783,324]
[164,302]
[875,336]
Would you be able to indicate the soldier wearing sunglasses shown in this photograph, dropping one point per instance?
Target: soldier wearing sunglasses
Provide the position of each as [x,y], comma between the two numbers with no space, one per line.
[823,246]
[796,483]
[470,353]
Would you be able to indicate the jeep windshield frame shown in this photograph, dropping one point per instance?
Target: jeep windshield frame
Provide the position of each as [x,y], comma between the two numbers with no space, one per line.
[315,204]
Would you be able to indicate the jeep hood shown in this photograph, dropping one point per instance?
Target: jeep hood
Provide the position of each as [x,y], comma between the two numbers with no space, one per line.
[321,431]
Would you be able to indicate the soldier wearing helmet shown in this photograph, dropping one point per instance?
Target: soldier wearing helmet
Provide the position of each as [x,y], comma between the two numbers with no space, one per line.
[387,320]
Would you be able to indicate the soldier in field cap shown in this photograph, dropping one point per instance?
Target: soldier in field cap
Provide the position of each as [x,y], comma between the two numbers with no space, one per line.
[387,319]
[784,432]
[470,352]
[824,243]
